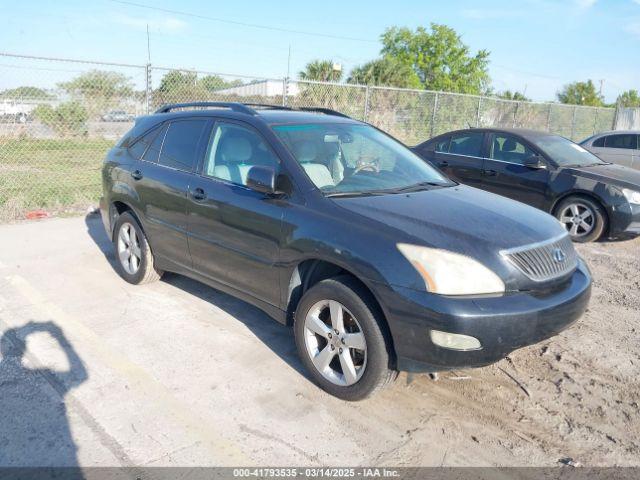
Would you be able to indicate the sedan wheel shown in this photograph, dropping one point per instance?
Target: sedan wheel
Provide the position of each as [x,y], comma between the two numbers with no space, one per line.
[578,219]
[335,342]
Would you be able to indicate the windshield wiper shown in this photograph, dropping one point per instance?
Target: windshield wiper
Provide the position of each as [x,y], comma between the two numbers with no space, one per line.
[417,187]
[351,194]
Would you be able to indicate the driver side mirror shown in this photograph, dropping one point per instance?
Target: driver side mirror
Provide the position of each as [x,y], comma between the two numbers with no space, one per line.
[535,162]
[263,179]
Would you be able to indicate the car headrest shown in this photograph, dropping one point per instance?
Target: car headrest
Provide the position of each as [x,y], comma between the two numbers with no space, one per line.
[509,145]
[236,149]
[305,151]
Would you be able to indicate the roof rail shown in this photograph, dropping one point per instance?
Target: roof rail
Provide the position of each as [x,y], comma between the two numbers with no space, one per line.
[326,111]
[235,106]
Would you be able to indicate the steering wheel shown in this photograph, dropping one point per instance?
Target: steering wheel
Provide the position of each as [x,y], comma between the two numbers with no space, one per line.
[369,167]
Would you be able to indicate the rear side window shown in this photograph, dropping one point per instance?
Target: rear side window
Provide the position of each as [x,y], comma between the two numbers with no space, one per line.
[153,152]
[180,146]
[140,146]
[469,144]
[621,141]
[443,145]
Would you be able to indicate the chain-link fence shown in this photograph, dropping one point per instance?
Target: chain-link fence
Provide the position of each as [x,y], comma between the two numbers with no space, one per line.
[59,117]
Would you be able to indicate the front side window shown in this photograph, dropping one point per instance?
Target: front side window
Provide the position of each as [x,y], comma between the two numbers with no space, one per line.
[620,141]
[564,152]
[598,142]
[507,148]
[180,146]
[233,150]
[344,158]
[443,145]
[469,144]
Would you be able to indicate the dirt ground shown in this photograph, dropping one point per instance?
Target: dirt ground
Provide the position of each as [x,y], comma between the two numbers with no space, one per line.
[176,373]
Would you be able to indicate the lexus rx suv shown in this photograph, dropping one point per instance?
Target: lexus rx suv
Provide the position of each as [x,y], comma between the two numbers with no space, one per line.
[379,261]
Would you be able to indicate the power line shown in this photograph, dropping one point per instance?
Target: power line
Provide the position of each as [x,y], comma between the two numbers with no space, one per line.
[243,24]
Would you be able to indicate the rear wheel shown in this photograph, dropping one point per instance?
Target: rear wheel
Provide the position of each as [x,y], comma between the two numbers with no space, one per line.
[340,339]
[134,260]
[584,219]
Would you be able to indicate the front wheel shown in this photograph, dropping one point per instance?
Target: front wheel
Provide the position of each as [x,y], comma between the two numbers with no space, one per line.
[584,219]
[341,339]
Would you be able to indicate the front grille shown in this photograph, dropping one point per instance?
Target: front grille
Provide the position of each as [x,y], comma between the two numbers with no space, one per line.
[545,260]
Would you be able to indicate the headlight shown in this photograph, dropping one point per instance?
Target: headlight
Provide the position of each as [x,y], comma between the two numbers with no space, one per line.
[631,195]
[450,273]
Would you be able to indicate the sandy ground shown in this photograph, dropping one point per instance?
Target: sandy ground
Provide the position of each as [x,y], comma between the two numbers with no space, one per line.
[95,371]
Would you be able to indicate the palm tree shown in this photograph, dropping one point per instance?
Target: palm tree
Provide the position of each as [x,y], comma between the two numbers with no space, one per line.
[320,71]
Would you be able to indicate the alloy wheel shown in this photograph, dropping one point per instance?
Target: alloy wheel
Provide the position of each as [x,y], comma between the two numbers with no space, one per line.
[578,219]
[335,342]
[129,251]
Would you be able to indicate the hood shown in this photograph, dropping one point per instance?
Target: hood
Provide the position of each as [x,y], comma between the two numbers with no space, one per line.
[459,219]
[611,174]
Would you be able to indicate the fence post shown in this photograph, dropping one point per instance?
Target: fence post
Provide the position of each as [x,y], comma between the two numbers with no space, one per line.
[573,122]
[366,103]
[478,112]
[147,90]
[549,118]
[614,126]
[285,87]
[515,115]
[433,114]
[595,121]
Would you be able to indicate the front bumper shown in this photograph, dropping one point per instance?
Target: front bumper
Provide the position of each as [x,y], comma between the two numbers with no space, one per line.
[624,220]
[502,323]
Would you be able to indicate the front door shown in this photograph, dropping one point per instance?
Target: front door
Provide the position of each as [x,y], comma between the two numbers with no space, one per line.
[504,171]
[234,232]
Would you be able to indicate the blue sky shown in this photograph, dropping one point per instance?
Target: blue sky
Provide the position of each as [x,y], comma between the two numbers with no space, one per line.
[535,44]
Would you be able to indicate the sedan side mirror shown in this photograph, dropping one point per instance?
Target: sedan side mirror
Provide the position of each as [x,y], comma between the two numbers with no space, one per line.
[535,162]
[262,179]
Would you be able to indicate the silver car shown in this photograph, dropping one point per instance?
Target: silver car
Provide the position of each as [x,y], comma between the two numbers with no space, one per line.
[621,147]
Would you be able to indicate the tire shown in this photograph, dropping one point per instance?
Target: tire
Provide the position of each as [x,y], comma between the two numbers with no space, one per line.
[361,320]
[594,218]
[138,271]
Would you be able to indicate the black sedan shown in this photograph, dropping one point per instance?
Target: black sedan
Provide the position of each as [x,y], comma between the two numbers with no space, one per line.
[590,197]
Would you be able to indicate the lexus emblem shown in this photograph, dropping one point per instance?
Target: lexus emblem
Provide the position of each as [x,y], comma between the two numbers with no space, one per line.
[558,255]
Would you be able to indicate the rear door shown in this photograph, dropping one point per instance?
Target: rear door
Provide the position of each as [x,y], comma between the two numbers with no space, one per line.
[618,148]
[504,172]
[162,180]
[234,231]
[460,156]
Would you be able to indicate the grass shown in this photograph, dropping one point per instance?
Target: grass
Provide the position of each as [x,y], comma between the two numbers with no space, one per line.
[50,174]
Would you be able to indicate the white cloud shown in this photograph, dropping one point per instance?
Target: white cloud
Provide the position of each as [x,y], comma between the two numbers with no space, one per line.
[584,4]
[488,14]
[165,24]
[633,29]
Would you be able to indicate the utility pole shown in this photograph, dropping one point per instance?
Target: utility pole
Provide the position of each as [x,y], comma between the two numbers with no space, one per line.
[289,62]
[601,85]
[148,46]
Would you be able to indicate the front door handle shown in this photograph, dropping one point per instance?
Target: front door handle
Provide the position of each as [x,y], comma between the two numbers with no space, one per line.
[489,173]
[444,163]
[198,194]
[136,174]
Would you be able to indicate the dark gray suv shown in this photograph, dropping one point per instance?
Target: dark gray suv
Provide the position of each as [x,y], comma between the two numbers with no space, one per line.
[379,261]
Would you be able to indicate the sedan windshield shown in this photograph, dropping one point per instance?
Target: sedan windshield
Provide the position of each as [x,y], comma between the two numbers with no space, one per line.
[566,153]
[353,159]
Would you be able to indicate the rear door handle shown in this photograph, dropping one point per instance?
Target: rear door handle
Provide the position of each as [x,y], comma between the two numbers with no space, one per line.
[489,173]
[444,163]
[136,174]
[198,194]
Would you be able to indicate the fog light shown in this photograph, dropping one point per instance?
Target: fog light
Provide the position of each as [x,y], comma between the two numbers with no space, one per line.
[454,341]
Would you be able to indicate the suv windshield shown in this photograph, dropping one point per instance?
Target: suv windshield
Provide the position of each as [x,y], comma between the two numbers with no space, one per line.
[356,159]
[566,153]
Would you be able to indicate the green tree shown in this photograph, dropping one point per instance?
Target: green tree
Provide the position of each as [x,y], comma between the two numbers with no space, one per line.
[67,119]
[385,71]
[580,93]
[439,58]
[215,82]
[177,86]
[26,92]
[99,84]
[320,71]
[515,95]
[630,98]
